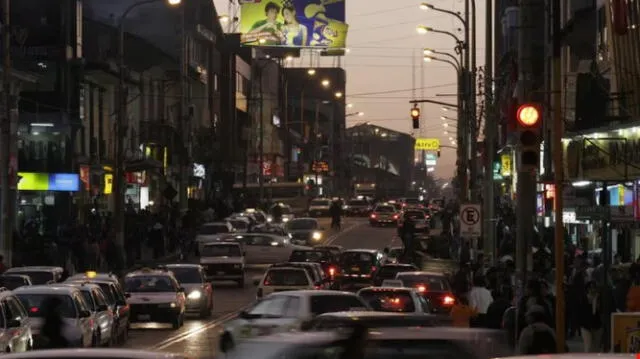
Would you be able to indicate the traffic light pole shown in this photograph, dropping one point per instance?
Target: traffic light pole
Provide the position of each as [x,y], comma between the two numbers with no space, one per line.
[490,134]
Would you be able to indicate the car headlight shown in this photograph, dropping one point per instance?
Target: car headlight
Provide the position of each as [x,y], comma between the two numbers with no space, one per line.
[195,295]
[168,305]
[285,219]
[269,219]
[316,236]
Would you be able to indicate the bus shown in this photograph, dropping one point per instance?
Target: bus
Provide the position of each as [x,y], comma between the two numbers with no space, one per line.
[292,193]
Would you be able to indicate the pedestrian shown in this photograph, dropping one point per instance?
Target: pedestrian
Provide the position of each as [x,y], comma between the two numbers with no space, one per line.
[53,326]
[497,308]
[479,299]
[590,319]
[462,313]
[537,337]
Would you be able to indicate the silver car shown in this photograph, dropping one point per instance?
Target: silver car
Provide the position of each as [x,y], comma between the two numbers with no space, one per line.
[102,315]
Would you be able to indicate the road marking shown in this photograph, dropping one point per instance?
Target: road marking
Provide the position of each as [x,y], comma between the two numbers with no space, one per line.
[334,237]
[192,332]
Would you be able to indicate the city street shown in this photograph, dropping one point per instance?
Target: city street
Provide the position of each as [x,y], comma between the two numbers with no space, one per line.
[198,337]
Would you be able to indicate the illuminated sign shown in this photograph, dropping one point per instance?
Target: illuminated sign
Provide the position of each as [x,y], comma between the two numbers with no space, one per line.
[60,182]
[427,144]
[108,183]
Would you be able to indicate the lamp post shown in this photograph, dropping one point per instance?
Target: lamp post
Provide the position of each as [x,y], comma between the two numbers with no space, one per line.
[121,123]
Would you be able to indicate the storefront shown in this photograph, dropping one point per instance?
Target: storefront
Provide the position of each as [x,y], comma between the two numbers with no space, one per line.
[46,198]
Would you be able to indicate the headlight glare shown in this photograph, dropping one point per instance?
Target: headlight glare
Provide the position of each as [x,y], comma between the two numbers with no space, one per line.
[195,295]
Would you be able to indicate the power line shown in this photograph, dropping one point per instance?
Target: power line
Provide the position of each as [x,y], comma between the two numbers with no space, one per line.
[401,90]
[386,11]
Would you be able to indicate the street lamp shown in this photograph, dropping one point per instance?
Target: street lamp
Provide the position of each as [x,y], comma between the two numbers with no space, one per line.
[222,18]
[423,29]
[349,105]
[311,72]
[431,52]
[326,83]
[338,94]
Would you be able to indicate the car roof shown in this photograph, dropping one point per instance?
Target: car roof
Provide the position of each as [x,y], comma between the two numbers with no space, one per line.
[362,250]
[433,274]
[313,293]
[183,265]
[404,265]
[94,353]
[34,269]
[147,272]
[82,285]
[223,242]
[388,289]
[101,276]
[358,314]
[92,281]
[47,289]
[303,218]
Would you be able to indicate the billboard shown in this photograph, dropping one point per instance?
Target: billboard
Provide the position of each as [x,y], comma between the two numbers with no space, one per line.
[293,23]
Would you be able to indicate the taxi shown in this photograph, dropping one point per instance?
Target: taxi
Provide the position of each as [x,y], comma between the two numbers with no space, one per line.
[287,278]
[115,296]
[15,334]
[39,274]
[198,290]
[155,296]
[285,312]
[76,315]
[102,315]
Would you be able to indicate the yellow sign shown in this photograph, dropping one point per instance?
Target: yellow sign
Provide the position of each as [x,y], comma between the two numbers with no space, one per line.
[625,332]
[108,183]
[427,144]
[505,168]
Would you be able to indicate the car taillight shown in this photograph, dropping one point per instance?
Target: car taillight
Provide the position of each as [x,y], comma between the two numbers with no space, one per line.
[373,215]
[374,268]
[448,300]
[266,282]
[395,216]
[421,288]
[332,271]
[317,287]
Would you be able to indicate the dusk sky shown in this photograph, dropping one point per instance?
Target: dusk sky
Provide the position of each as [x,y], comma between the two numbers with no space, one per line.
[383,45]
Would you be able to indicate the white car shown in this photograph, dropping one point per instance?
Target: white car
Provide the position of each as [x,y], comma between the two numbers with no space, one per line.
[155,297]
[75,313]
[278,279]
[224,260]
[240,224]
[319,207]
[95,353]
[211,232]
[39,274]
[91,275]
[15,331]
[287,311]
[199,291]
[395,300]
[265,248]
[102,315]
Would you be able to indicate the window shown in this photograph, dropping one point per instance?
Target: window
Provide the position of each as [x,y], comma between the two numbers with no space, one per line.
[239,224]
[426,306]
[189,275]
[310,256]
[270,307]
[99,297]
[414,215]
[390,272]
[286,278]
[150,284]
[11,282]
[108,294]
[35,302]
[302,224]
[39,277]
[431,283]
[292,307]
[81,303]
[221,250]
[88,297]
[385,209]
[357,258]
[321,304]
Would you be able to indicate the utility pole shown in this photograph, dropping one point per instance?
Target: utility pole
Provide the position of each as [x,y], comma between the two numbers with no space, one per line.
[464,123]
[316,146]
[6,138]
[261,137]
[184,122]
[473,121]
[490,133]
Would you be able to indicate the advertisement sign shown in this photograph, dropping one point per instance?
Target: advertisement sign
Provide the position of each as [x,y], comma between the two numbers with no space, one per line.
[505,162]
[31,181]
[427,144]
[108,183]
[293,23]
[625,332]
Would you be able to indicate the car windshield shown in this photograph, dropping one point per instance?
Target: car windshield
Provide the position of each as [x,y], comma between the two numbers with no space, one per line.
[414,215]
[389,301]
[385,209]
[108,292]
[11,282]
[430,282]
[238,224]
[321,304]
[34,304]
[283,209]
[357,202]
[286,278]
[149,284]
[187,275]
[89,299]
[221,250]
[210,229]
[389,272]
[356,258]
[39,277]
[310,256]
[412,201]
[301,224]
[320,202]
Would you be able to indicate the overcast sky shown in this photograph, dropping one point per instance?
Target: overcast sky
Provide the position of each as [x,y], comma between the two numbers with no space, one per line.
[381,75]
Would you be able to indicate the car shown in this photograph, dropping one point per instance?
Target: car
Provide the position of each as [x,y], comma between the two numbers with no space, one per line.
[259,216]
[116,299]
[92,275]
[395,300]
[324,257]
[389,271]
[13,281]
[76,316]
[15,330]
[357,207]
[286,278]
[199,291]
[286,311]
[411,203]
[336,250]
[95,353]
[239,224]
[373,319]
[39,274]
[155,296]
[394,254]
[383,214]
[102,316]
[418,216]
[224,260]
[285,210]
[358,267]
[305,231]
[433,286]
[314,270]
[320,207]
[211,232]
[265,248]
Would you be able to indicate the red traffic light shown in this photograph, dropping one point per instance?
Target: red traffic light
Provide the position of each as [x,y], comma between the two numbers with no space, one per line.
[415,113]
[528,115]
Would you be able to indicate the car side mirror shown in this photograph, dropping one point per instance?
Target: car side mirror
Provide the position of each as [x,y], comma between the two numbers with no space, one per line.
[127,295]
[256,282]
[14,323]
[85,314]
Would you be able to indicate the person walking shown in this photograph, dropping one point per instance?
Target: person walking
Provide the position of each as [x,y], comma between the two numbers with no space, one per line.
[590,319]
[53,326]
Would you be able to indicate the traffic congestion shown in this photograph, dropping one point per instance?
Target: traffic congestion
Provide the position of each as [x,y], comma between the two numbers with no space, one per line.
[336,280]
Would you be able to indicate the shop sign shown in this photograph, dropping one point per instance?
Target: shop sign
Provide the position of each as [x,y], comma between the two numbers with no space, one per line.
[505,162]
[61,182]
[199,171]
[108,183]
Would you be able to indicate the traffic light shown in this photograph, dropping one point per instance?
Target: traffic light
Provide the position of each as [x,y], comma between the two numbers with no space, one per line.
[415,117]
[529,121]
